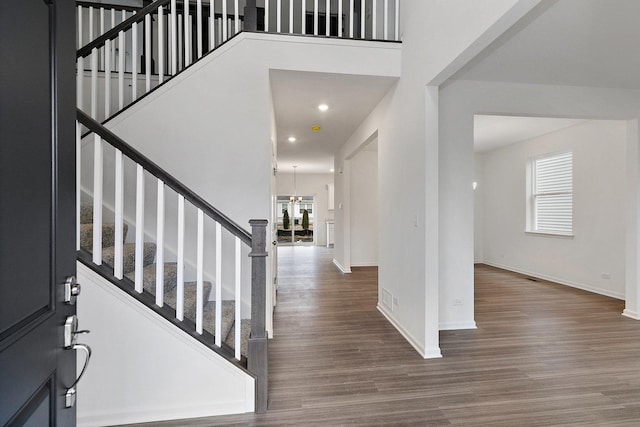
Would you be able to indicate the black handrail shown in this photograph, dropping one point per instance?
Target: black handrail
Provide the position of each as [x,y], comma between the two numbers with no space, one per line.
[164,176]
[113,33]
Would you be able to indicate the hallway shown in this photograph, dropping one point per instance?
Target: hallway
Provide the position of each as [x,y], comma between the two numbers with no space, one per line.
[543,354]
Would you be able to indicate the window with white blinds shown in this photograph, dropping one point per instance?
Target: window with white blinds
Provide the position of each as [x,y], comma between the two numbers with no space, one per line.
[552,194]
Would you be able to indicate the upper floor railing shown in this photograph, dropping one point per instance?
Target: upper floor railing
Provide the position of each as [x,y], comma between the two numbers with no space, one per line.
[123,53]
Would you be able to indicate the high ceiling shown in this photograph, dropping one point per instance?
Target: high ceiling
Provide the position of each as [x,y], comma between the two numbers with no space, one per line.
[590,43]
[296,96]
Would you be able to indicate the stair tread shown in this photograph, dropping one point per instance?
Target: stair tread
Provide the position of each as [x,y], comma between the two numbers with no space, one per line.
[245,330]
[108,235]
[228,316]
[149,277]
[129,255]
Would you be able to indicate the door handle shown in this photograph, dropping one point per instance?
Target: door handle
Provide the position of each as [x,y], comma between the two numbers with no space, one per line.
[71,333]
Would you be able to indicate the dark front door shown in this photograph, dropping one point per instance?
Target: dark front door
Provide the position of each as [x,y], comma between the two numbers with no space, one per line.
[37,198]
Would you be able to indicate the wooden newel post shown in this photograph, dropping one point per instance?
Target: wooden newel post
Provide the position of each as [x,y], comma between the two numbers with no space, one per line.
[250,16]
[258,357]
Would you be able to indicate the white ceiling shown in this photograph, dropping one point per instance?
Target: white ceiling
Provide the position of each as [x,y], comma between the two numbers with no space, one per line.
[590,43]
[491,132]
[296,96]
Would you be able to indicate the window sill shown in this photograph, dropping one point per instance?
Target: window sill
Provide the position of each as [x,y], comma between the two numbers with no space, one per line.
[549,234]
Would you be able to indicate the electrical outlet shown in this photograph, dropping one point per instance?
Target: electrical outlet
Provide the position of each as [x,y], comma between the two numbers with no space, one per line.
[606,276]
[457,302]
[387,299]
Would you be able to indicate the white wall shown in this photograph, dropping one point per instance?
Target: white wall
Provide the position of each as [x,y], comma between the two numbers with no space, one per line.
[364,208]
[478,209]
[144,369]
[310,184]
[437,37]
[459,101]
[599,163]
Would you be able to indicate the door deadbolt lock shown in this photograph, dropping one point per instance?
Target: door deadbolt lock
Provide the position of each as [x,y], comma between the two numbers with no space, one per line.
[71,290]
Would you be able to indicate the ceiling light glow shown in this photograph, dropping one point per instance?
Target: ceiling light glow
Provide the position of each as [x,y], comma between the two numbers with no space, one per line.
[292,139]
[332,170]
[323,107]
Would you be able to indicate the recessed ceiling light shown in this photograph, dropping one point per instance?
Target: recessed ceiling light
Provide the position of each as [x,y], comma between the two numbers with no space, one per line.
[292,139]
[332,170]
[323,107]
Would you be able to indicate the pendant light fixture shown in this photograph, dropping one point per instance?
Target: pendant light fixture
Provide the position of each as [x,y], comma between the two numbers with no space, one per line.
[294,199]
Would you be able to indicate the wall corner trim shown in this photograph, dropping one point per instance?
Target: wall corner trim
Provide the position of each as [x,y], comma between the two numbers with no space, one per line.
[431,353]
[340,267]
[630,314]
[452,326]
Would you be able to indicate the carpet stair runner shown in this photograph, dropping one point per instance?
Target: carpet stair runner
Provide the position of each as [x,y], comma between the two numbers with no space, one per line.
[170,279]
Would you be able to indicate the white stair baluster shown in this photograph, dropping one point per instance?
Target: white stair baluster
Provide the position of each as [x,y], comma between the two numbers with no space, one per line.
[94,83]
[118,267]
[180,261]
[187,35]
[362,19]
[199,27]
[180,43]
[121,64]
[107,79]
[236,17]
[97,199]
[212,16]
[290,16]
[90,37]
[225,33]
[327,17]
[80,72]
[139,267]
[218,334]
[303,16]
[238,298]
[397,23]
[174,39]
[134,61]
[278,16]
[160,246]
[315,17]
[113,45]
[199,272]
[102,51]
[160,44]
[386,20]
[351,12]
[147,52]
[340,32]
[266,15]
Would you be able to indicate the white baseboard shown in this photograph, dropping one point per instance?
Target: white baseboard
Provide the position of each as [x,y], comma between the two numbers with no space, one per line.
[452,326]
[630,314]
[431,353]
[576,285]
[340,267]
[364,264]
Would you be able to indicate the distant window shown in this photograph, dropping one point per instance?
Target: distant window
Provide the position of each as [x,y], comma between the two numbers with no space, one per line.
[551,194]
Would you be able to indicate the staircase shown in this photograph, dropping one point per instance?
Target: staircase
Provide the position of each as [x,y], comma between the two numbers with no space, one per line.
[170,280]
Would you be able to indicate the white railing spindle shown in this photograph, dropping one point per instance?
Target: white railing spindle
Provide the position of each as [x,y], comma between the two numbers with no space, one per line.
[351,13]
[107,79]
[118,267]
[340,32]
[238,296]
[374,20]
[160,44]
[199,272]
[80,72]
[224,21]
[91,35]
[94,83]
[218,333]
[139,259]
[315,17]
[212,19]
[236,17]
[303,16]
[102,51]
[327,18]
[290,16]
[397,22]
[121,64]
[134,61]
[174,38]
[97,199]
[199,27]
[180,261]
[362,19]
[187,35]
[160,246]
[278,16]
[385,34]
[147,52]
[266,15]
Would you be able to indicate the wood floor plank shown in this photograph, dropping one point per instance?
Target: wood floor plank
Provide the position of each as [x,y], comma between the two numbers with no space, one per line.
[543,355]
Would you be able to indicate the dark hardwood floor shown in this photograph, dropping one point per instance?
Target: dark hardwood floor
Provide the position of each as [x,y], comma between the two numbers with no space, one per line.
[543,355]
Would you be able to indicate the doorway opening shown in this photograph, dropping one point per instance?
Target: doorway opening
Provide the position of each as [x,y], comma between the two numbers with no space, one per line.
[296,220]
